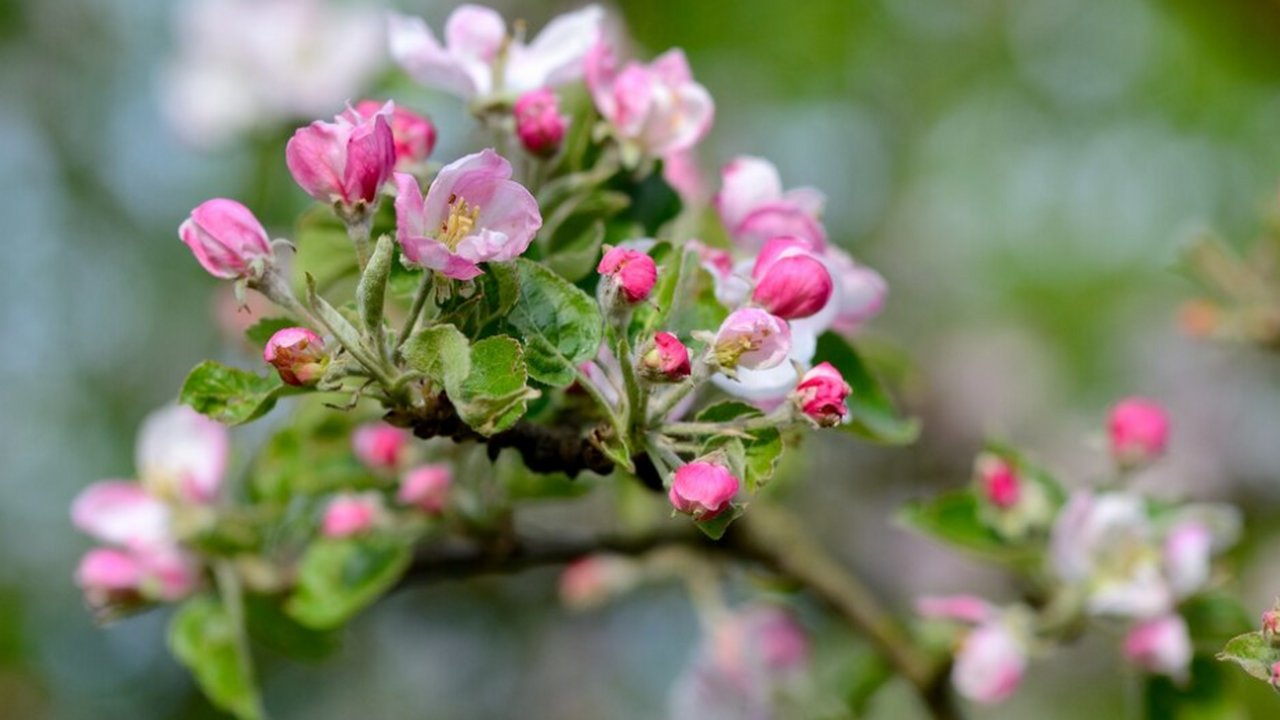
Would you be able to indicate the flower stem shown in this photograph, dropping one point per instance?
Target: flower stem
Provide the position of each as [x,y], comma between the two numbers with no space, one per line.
[232,596]
[415,311]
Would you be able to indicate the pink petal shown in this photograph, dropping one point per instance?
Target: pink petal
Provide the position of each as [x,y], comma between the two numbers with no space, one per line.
[121,513]
[182,454]
[416,50]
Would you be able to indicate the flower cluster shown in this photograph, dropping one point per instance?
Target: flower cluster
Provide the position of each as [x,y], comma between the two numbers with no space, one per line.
[1112,556]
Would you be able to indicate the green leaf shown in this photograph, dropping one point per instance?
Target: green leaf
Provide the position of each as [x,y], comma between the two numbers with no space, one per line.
[560,323]
[1206,696]
[1254,653]
[654,202]
[1214,618]
[311,456]
[873,413]
[260,332]
[371,293]
[761,450]
[273,629]
[693,304]
[575,248]
[716,526]
[867,673]
[955,519]
[230,395]
[442,353]
[493,295]
[324,250]
[339,578]
[495,393]
[203,637]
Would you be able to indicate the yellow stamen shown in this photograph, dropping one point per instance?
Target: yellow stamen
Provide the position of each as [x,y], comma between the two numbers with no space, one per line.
[460,223]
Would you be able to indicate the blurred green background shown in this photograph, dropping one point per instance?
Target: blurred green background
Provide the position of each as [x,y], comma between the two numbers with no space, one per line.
[1022,171]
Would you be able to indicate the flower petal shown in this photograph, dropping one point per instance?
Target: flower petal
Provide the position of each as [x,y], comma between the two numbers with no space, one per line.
[416,50]
[121,513]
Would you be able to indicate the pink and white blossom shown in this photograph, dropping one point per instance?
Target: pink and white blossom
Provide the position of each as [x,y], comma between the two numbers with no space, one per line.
[227,240]
[182,455]
[990,663]
[351,514]
[122,513]
[381,447]
[1188,557]
[703,490]
[860,291]
[298,355]
[414,135]
[426,488]
[755,209]
[1161,646]
[539,124]
[346,161]
[481,59]
[472,213]
[1139,431]
[657,107]
[751,338]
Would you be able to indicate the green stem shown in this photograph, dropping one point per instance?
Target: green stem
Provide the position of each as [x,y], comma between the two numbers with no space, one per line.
[635,402]
[273,286]
[776,419]
[415,311]
[359,228]
[232,595]
[662,406]
[615,420]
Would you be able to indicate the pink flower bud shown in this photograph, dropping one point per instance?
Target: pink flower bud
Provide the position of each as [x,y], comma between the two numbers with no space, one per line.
[790,281]
[962,608]
[426,488]
[753,339]
[539,124]
[346,161]
[703,490]
[1275,675]
[998,482]
[592,580]
[1161,646]
[298,354]
[628,272]
[227,240]
[990,664]
[1271,623]
[665,359]
[349,515]
[107,576]
[820,395]
[414,135]
[1139,431]
[380,446]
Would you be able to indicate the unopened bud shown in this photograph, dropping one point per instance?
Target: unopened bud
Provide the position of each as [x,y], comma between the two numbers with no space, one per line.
[539,124]
[998,481]
[820,395]
[227,240]
[380,446]
[790,281]
[414,135]
[426,488]
[1139,430]
[593,580]
[1271,623]
[298,354]
[664,359]
[628,274]
[349,515]
[703,490]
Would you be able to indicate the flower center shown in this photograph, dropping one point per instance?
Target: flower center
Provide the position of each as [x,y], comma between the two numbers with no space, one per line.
[460,223]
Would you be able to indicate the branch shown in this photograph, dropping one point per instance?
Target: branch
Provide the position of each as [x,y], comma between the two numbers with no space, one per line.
[768,536]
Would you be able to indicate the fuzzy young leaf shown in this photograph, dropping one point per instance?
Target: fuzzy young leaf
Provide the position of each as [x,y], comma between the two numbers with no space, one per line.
[495,394]
[874,415]
[203,637]
[761,450]
[230,395]
[560,323]
[260,332]
[492,297]
[371,293]
[442,353]
[1253,652]
[692,303]
[716,527]
[339,578]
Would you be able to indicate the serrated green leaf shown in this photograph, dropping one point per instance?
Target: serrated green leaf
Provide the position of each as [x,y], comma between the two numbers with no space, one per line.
[260,332]
[1253,652]
[560,324]
[203,637]
[873,413]
[491,298]
[371,292]
[442,353]
[230,395]
[339,578]
[761,450]
[716,527]
[495,393]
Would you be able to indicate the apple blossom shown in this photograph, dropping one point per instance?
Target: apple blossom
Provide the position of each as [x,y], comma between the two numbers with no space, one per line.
[380,446]
[227,240]
[1188,556]
[472,213]
[860,291]
[990,663]
[703,490]
[182,455]
[480,59]
[414,136]
[426,487]
[820,395]
[754,208]
[664,359]
[346,161]
[298,355]
[592,580]
[628,274]
[751,338]
[1161,646]
[1139,431]
[658,107]
[790,281]
[539,124]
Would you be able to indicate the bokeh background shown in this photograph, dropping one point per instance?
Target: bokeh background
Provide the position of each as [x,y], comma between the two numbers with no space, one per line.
[1022,171]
